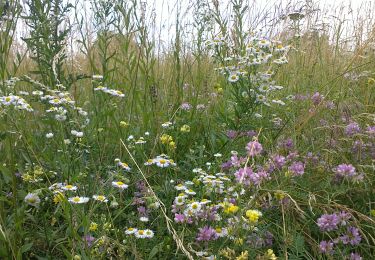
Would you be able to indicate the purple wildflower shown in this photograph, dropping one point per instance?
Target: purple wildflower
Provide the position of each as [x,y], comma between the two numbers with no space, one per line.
[252,133]
[345,170]
[226,165]
[207,233]
[300,97]
[355,256]
[287,144]
[326,247]
[89,240]
[243,175]
[259,176]
[179,218]
[371,131]
[352,128]
[297,168]
[317,98]
[278,161]
[344,217]
[254,148]
[353,236]
[323,122]
[330,105]
[142,211]
[328,222]
[185,106]
[236,162]
[231,134]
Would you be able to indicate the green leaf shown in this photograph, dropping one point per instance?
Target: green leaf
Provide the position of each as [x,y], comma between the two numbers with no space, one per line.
[154,251]
[25,248]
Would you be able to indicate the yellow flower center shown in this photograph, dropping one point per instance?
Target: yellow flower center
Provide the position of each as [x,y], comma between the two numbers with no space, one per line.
[32,200]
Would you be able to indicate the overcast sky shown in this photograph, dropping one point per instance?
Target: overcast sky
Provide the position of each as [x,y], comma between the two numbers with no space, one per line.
[165,11]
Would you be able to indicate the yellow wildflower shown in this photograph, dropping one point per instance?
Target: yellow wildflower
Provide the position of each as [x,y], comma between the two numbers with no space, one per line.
[93,226]
[230,208]
[185,129]
[253,215]
[279,195]
[243,256]
[59,197]
[165,139]
[172,145]
[124,124]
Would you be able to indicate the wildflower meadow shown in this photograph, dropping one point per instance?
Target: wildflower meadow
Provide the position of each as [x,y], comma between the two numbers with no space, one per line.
[175,129]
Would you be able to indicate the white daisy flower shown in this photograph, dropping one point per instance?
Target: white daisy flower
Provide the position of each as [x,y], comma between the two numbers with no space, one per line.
[37,93]
[124,166]
[149,233]
[162,163]
[140,234]
[190,192]
[149,162]
[55,101]
[141,140]
[97,77]
[78,200]
[166,124]
[179,200]
[205,201]
[69,187]
[49,135]
[131,231]
[264,43]
[144,219]
[32,199]
[261,98]
[233,77]
[100,198]
[120,185]
[180,187]
[195,207]
[76,133]
[277,101]
[221,232]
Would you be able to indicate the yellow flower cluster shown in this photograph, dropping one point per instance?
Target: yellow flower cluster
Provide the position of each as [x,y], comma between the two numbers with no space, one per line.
[168,140]
[59,197]
[253,215]
[279,195]
[33,175]
[230,208]
[185,129]
[124,124]
[93,226]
